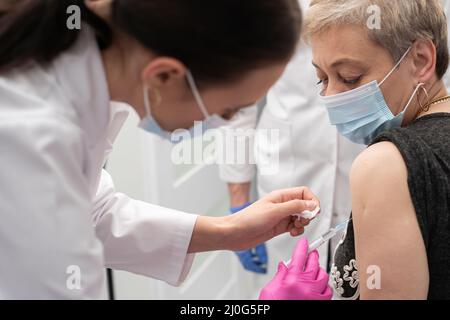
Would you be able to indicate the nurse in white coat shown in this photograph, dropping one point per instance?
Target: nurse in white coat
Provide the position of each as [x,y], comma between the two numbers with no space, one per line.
[62,221]
[310,151]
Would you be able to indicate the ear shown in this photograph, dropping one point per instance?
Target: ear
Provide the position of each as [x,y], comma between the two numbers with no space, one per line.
[163,71]
[424,60]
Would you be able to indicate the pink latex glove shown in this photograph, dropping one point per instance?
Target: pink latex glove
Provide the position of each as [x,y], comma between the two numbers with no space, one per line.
[304,279]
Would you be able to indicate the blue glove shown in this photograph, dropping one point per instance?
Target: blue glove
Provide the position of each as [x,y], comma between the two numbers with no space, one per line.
[254,260]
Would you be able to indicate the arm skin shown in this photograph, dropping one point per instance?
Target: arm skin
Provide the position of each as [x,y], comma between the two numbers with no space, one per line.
[211,233]
[239,193]
[387,232]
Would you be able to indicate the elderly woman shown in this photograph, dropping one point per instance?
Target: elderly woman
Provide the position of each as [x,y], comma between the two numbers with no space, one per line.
[380,65]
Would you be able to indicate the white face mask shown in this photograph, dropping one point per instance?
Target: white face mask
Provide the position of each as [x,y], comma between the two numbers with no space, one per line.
[149,124]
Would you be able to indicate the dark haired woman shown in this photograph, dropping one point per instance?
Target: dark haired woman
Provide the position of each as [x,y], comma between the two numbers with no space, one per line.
[56,122]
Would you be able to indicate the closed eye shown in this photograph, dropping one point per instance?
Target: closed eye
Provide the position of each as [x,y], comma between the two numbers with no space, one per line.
[352,81]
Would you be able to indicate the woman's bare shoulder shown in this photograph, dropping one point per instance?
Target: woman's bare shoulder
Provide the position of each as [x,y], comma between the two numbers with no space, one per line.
[379,168]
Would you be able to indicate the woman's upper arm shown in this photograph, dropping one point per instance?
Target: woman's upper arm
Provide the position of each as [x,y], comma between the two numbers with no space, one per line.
[387,234]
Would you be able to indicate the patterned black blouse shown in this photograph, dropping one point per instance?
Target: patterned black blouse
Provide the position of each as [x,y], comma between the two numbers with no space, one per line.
[425,147]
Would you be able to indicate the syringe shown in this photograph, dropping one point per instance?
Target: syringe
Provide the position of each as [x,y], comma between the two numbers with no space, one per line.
[325,238]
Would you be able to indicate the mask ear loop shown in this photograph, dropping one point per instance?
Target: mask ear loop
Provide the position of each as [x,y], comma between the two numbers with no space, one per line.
[196,94]
[420,85]
[147,101]
[396,66]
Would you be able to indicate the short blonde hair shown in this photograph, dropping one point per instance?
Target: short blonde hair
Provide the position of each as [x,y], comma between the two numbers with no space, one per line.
[402,23]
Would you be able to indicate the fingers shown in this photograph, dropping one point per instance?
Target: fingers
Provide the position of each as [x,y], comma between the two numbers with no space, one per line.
[327,294]
[300,193]
[323,278]
[301,223]
[258,269]
[312,265]
[266,295]
[319,288]
[282,270]
[297,226]
[251,262]
[261,253]
[255,267]
[295,232]
[322,282]
[292,207]
[300,255]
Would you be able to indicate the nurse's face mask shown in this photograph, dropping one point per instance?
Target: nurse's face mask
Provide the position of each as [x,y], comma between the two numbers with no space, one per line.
[362,114]
[150,125]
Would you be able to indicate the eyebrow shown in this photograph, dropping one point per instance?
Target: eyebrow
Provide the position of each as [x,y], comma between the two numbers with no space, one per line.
[341,62]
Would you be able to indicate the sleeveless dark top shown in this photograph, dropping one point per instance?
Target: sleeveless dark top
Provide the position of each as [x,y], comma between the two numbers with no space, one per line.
[425,147]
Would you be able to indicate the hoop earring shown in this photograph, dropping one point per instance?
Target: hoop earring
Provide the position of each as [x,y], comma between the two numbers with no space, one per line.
[423,108]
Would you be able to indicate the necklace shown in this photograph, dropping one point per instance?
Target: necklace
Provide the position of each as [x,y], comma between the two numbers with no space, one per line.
[427,107]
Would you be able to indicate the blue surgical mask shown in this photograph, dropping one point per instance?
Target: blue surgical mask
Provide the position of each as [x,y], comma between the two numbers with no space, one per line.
[150,125]
[362,114]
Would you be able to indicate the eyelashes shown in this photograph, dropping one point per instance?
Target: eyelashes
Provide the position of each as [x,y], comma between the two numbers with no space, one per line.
[352,81]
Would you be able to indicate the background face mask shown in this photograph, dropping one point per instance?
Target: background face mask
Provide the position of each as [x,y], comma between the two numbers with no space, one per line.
[149,123]
[362,114]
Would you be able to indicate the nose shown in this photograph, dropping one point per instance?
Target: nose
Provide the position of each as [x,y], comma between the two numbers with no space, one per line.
[333,89]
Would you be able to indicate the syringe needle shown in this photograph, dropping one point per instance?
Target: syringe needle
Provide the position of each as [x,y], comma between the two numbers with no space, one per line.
[325,238]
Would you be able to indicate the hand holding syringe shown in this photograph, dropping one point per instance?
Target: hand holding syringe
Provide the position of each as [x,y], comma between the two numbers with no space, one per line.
[325,238]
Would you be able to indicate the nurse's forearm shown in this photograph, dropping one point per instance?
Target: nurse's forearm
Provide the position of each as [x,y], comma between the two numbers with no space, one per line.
[210,234]
[239,193]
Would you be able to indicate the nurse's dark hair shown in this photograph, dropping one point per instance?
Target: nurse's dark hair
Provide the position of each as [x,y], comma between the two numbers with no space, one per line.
[217,39]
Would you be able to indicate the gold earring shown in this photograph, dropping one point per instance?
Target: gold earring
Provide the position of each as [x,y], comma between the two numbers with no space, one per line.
[423,108]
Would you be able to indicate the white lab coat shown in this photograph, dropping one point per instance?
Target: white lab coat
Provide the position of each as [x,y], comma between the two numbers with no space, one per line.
[312,152]
[61,216]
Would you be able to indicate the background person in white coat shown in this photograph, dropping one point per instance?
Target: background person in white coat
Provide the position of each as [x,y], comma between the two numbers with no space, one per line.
[311,152]
[62,220]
